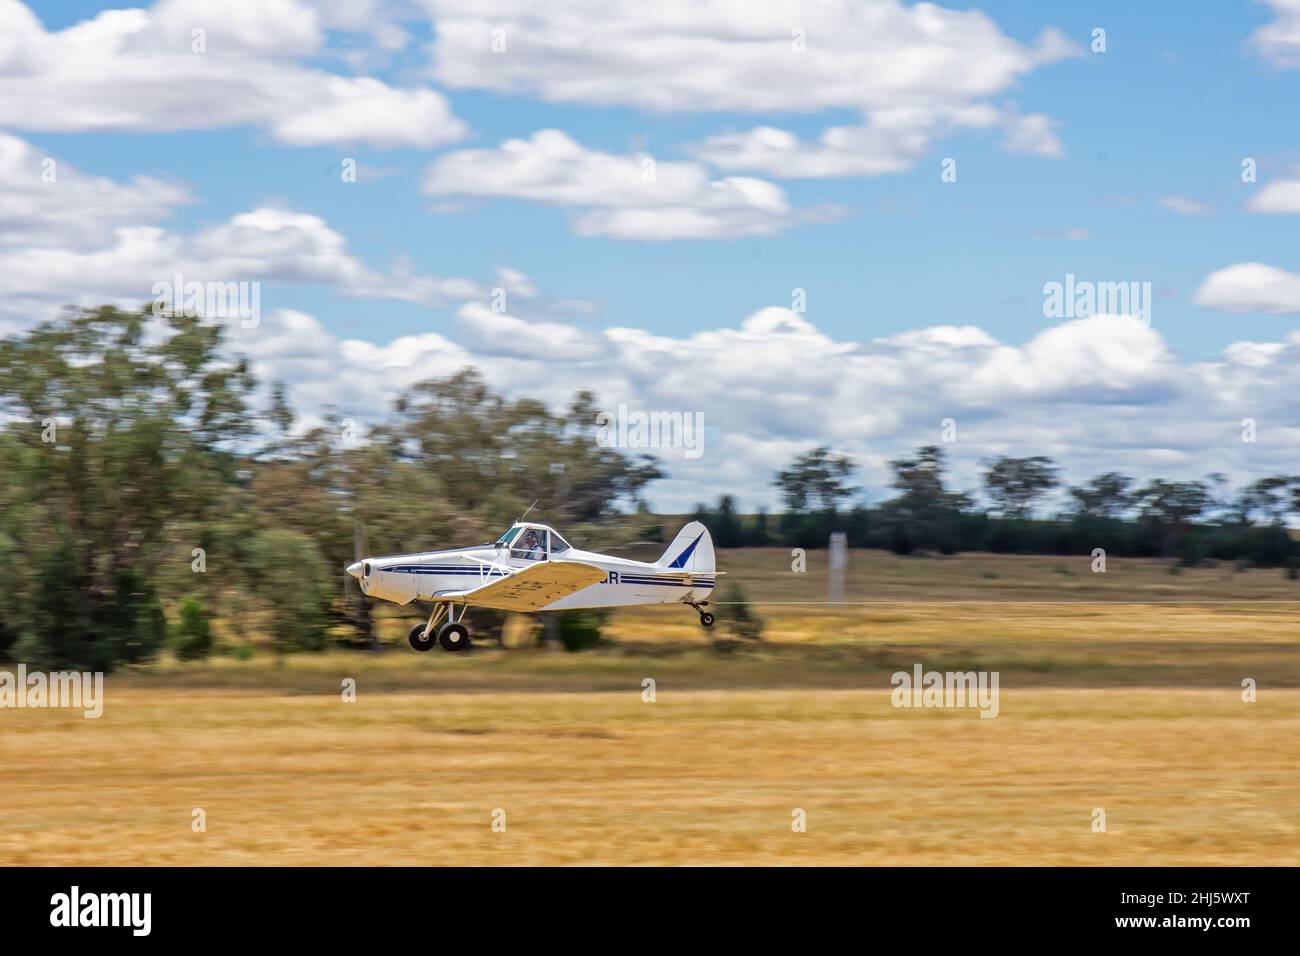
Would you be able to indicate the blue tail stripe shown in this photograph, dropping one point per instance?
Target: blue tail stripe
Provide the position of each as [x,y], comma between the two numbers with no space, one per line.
[686,555]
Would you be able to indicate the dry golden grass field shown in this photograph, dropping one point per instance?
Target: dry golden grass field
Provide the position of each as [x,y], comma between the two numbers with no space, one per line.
[1126,698]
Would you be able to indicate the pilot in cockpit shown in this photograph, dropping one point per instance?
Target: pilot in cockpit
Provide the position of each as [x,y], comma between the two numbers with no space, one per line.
[533,550]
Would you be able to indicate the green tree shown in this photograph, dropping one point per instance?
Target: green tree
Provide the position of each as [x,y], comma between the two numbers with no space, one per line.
[579,630]
[293,585]
[735,616]
[194,632]
[919,481]
[728,534]
[1015,484]
[924,513]
[722,522]
[816,481]
[1267,500]
[117,423]
[1106,496]
[493,456]
[1172,506]
[69,631]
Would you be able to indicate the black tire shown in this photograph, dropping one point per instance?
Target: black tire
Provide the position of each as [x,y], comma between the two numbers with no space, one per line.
[418,642]
[706,618]
[454,637]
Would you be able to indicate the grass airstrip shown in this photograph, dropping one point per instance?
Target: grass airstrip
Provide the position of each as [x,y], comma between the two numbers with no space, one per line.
[1121,700]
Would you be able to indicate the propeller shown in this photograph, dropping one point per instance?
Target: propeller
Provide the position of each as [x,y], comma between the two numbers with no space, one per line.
[359,543]
[360,549]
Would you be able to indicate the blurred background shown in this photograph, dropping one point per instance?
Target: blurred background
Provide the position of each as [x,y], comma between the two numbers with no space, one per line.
[156,524]
[435,244]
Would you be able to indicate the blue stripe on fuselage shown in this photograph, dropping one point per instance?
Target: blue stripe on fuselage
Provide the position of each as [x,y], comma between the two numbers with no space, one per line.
[659,580]
[615,577]
[426,569]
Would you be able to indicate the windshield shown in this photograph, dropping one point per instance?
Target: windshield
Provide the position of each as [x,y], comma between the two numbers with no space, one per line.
[509,536]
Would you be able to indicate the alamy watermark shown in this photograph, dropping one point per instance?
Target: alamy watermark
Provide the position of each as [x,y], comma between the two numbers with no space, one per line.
[213,300]
[1080,298]
[641,429]
[922,688]
[133,911]
[84,691]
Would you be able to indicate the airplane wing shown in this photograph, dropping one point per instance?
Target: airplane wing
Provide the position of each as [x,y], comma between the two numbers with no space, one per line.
[531,589]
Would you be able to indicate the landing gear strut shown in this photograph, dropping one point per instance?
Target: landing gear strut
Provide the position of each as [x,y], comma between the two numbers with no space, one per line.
[706,619]
[453,635]
[417,639]
[422,635]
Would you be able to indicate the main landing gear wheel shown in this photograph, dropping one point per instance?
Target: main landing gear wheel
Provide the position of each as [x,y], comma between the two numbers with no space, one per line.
[417,640]
[454,637]
[706,618]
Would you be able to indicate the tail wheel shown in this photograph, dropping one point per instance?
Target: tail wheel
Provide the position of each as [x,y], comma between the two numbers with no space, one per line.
[706,618]
[454,637]
[417,640]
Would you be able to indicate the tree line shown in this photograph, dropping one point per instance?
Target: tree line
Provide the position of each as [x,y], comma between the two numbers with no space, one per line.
[148,490]
[1190,521]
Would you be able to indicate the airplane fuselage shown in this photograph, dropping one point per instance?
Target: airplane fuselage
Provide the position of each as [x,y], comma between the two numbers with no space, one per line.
[433,574]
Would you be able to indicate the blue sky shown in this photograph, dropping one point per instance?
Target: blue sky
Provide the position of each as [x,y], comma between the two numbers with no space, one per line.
[1164,117]
[1171,107]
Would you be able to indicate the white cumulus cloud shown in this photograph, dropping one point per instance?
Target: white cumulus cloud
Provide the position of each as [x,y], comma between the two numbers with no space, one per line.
[187,65]
[1096,394]
[618,196]
[1251,287]
[1278,41]
[1279,196]
[1186,205]
[913,73]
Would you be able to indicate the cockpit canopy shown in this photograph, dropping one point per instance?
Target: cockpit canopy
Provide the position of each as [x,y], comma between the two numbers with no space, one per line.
[533,542]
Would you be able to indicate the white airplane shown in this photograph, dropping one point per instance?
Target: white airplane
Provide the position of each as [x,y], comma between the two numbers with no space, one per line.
[532,568]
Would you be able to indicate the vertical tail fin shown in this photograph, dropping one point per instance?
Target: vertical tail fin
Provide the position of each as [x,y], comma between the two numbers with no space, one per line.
[691,550]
